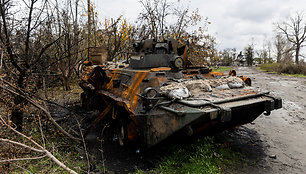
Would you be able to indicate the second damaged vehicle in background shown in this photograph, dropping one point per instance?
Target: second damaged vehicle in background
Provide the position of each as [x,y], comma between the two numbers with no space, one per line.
[157,94]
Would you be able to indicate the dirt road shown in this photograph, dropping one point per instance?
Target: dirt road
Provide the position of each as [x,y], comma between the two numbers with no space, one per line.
[275,143]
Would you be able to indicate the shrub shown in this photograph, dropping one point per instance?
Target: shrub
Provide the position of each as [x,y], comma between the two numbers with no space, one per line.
[289,68]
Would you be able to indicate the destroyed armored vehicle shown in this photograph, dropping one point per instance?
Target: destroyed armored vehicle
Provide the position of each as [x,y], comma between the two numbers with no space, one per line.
[158,94]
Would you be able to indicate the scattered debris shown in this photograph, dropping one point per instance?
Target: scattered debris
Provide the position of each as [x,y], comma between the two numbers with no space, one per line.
[273,156]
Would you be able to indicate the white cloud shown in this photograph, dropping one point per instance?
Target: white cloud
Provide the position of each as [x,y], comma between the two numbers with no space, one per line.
[255,11]
[234,22]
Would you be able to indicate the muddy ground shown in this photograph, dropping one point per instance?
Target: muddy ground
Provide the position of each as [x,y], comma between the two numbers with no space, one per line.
[271,144]
[275,143]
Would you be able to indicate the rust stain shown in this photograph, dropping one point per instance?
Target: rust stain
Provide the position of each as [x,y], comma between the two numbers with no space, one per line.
[132,132]
[246,80]
[155,81]
[208,76]
[232,72]
[114,76]
[131,93]
[212,75]
[217,73]
[246,93]
[128,90]
[160,69]
[127,106]
[136,90]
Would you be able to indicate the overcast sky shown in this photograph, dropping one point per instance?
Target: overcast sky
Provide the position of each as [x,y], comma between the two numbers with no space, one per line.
[235,23]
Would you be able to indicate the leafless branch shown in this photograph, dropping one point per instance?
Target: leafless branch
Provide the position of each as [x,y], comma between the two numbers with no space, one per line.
[23,159]
[295,32]
[84,144]
[20,144]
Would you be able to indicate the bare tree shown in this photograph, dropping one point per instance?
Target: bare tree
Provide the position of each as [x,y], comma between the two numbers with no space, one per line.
[283,48]
[117,37]
[162,13]
[228,56]
[295,32]
[41,37]
[265,53]
[279,44]
[67,48]
[153,18]
[185,20]
[16,33]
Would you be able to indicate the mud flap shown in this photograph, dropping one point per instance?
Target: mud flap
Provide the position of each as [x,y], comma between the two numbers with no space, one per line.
[226,115]
[269,106]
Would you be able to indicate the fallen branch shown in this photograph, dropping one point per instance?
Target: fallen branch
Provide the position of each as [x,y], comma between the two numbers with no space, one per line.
[20,144]
[23,159]
[39,148]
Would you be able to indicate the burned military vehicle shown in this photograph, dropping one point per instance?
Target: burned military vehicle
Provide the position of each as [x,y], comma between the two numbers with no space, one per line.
[158,94]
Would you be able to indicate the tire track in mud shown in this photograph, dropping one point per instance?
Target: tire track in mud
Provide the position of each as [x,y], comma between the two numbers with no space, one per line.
[280,137]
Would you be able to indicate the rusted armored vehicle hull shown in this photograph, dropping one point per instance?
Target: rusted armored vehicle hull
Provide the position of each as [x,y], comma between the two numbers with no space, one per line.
[146,104]
[146,116]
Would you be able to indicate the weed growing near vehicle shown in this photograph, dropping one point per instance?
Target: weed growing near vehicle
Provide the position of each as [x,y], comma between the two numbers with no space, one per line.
[203,156]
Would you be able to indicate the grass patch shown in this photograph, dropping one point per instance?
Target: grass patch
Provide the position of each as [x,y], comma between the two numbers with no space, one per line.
[222,68]
[294,75]
[203,156]
[285,69]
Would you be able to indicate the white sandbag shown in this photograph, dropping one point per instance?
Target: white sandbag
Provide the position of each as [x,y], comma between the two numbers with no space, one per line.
[234,85]
[201,85]
[179,93]
[223,87]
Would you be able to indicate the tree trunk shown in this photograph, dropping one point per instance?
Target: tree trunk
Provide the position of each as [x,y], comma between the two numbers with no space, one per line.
[17,119]
[17,113]
[278,58]
[66,84]
[297,52]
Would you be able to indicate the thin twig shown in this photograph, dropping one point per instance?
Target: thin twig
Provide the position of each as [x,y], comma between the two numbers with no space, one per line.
[101,150]
[23,159]
[41,132]
[23,168]
[20,144]
[84,144]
